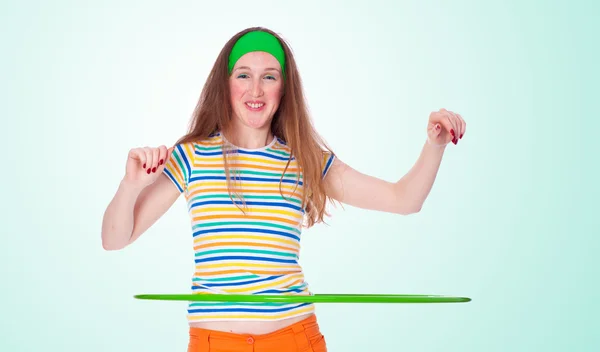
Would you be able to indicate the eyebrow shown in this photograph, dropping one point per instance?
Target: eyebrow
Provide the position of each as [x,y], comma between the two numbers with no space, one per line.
[248,68]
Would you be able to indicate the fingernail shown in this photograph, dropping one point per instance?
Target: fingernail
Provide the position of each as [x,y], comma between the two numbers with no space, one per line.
[461,136]
[144,166]
[160,162]
[149,171]
[452,132]
[153,169]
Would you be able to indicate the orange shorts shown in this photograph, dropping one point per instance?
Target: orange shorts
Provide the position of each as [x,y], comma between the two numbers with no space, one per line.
[303,336]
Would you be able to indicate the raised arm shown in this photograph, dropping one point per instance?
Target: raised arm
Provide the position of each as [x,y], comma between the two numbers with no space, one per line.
[143,196]
[408,194]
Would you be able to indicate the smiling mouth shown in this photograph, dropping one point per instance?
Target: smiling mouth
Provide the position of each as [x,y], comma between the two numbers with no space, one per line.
[255,106]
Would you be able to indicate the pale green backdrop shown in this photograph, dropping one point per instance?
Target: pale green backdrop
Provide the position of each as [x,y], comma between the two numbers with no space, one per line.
[512,221]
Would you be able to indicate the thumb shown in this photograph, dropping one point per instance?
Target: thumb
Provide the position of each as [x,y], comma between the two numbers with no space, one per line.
[170,151]
[435,129]
[168,156]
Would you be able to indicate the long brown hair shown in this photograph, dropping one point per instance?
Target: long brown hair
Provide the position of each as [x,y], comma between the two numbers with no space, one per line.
[291,123]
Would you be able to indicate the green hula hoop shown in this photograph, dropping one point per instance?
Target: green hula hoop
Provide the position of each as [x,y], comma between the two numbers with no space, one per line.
[315,298]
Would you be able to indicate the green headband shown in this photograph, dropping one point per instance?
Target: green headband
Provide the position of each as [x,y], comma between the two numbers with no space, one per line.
[257,41]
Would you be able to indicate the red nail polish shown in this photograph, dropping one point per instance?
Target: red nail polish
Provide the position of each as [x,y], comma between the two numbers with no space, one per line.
[452,132]
[144,166]
[160,162]
[153,169]
[149,171]
[461,136]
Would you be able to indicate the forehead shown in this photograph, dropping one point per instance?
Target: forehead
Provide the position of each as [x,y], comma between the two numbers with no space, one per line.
[258,60]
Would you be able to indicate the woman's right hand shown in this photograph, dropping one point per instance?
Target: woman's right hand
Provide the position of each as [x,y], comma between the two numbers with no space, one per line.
[144,165]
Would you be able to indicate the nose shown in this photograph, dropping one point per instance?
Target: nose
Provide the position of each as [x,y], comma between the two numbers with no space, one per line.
[256,88]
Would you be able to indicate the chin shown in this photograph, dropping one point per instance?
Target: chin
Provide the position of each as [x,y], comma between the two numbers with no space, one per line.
[257,121]
[258,124]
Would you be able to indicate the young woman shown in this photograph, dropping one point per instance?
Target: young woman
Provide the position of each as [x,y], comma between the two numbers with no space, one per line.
[254,173]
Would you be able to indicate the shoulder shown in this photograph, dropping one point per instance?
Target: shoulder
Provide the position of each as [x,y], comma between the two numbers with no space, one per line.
[213,140]
[200,147]
[280,147]
[184,151]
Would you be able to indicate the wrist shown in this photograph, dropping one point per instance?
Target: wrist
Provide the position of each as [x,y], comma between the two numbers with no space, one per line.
[434,146]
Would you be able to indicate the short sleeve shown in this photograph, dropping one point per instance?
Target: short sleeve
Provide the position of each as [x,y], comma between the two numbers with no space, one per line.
[328,158]
[179,165]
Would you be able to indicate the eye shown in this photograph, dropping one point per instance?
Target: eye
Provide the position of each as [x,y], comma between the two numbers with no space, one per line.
[242,75]
[270,77]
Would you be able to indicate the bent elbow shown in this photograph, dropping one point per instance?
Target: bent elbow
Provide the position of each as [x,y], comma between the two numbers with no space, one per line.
[408,210]
[108,245]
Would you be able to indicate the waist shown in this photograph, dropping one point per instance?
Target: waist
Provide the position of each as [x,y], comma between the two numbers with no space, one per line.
[248,327]
[249,282]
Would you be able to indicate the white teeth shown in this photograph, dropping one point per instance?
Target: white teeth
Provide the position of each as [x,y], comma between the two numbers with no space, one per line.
[254,106]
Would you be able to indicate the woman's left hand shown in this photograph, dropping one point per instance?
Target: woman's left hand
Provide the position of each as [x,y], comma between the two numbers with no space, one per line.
[444,127]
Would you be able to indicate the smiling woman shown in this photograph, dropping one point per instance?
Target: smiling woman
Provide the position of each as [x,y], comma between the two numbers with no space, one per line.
[254,173]
[256,88]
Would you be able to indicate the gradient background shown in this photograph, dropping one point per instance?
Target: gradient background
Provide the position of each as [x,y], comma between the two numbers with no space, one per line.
[511,222]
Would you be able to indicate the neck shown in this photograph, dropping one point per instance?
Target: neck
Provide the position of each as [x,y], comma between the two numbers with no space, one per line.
[248,138]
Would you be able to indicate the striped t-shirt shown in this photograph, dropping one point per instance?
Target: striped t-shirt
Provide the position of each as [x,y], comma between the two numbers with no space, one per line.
[252,250]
